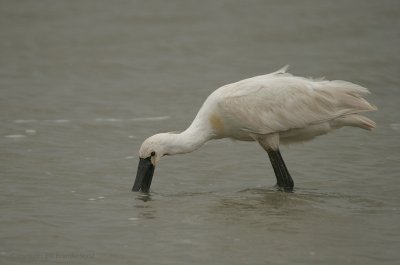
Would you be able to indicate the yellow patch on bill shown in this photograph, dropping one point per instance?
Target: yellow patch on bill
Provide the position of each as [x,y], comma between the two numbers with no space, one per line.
[217,124]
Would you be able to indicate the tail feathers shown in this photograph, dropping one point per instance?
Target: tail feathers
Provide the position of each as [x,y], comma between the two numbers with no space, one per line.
[355,102]
[345,96]
[355,121]
[348,87]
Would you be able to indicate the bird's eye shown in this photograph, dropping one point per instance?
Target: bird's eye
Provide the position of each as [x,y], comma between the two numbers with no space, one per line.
[153,153]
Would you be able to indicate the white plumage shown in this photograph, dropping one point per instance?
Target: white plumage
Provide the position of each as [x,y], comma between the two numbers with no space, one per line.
[271,109]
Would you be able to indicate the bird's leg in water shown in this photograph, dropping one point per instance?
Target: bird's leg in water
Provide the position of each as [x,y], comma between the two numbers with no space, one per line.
[283,178]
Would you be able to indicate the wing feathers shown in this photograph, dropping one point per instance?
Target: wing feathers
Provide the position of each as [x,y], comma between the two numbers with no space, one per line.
[274,103]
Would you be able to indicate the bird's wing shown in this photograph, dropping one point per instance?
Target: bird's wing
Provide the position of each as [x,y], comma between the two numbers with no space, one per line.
[279,102]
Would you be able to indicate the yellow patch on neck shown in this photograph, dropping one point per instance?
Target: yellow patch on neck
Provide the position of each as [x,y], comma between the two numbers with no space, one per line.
[217,124]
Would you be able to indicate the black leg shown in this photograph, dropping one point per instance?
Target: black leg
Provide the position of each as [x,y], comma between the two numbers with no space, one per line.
[283,178]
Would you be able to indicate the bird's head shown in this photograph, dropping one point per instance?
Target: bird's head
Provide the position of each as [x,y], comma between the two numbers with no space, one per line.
[152,149]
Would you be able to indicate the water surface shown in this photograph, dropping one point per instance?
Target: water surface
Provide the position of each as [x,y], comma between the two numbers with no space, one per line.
[84,83]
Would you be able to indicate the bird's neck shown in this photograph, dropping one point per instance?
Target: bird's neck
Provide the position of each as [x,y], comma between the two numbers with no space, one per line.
[190,139]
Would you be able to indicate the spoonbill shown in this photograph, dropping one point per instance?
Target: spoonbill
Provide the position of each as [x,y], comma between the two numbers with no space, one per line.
[272,109]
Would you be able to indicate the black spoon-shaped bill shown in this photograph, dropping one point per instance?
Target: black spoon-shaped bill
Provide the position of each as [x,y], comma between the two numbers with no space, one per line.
[144,175]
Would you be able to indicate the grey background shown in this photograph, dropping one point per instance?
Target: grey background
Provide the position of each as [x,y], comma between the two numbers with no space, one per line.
[83,83]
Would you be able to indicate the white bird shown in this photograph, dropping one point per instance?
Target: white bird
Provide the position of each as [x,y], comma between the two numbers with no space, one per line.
[272,109]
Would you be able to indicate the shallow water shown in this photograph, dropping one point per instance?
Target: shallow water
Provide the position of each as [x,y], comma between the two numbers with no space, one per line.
[83,83]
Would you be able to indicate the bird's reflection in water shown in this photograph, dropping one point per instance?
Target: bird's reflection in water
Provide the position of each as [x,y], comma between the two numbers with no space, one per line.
[268,201]
[145,197]
[143,207]
[266,205]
